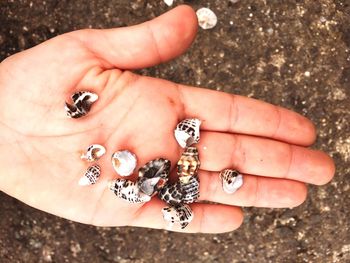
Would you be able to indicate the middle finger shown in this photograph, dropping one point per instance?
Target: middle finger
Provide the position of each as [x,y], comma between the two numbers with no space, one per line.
[264,157]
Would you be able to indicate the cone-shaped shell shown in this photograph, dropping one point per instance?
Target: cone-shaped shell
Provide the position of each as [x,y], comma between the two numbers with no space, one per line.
[189,163]
[181,215]
[153,176]
[128,191]
[91,176]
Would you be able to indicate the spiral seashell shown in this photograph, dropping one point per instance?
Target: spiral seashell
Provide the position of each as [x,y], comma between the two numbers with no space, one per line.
[206,18]
[91,175]
[82,102]
[180,192]
[124,162]
[153,176]
[187,132]
[232,180]
[189,163]
[181,215]
[93,153]
[128,191]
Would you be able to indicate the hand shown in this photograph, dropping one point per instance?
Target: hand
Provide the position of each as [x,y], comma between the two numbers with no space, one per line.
[40,147]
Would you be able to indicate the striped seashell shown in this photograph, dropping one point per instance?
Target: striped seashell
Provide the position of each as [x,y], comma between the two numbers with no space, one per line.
[232,180]
[181,215]
[187,132]
[128,191]
[180,192]
[91,175]
[82,102]
[93,153]
[124,162]
[153,176]
[189,163]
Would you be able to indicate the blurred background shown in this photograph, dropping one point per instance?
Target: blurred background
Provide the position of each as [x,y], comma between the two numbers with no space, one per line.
[292,53]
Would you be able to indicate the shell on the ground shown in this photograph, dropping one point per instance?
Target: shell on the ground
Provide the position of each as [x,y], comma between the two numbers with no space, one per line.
[153,176]
[187,132]
[91,175]
[232,180]
[128,191]
[124,162]
[207,19]
[181,215]
[93,153]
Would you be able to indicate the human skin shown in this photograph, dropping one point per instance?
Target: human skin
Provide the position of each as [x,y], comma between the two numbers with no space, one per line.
[40,147]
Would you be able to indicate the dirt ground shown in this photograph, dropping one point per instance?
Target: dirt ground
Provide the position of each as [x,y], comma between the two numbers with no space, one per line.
[292,53]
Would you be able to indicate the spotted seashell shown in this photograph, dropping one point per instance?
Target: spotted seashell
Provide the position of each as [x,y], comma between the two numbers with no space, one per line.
[232,180]
[190,190]
[91,175]
[181,215]
[93,153]
[124,162]
[82,102]
[187,132]
[153,176]
[180,192]
[128,191]
[189,163]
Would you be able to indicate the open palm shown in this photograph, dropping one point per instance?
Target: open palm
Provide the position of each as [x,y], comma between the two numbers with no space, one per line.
[40,147]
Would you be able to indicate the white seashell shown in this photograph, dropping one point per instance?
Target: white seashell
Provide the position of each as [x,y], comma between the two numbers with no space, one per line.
[128,191]
[182,215]
[124,162]
[93,153]
[206,18]
[232,180]
[82,102]
[187,132]
[91,176]
[169,2]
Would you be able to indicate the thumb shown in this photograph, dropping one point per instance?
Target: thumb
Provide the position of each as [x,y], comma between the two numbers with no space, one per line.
[146,44]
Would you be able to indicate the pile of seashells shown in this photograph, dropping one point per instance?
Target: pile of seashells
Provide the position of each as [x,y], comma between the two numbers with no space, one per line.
[153,177]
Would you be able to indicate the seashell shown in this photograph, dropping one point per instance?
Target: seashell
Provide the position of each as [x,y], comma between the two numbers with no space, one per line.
[93,153]
[189,163]
[187,132]
[128,191]
[232,180]
[91,175]
[182,215]
[82,102]
[124,162]
[206,18]
[190,190]
[153,176]
[180,192]
[169,2]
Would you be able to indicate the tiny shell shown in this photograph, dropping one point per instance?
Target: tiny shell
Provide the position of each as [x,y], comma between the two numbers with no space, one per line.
[187,132]
[93,153]
[182,215]
[128,191]
[232,180]
[82,102]
[169,2]
[180,192]
[91,176]
[206,18]
[124,162]
[189,163]
[153,176]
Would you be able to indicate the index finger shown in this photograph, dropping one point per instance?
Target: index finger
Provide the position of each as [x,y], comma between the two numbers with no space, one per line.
[225,112]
